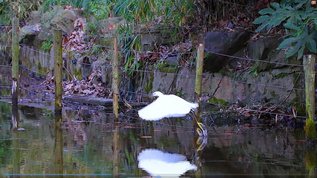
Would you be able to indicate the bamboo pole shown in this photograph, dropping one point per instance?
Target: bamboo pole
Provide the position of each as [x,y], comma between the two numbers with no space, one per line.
[309,68]
[15,60]
[115,78]
[199,76]
[58,66]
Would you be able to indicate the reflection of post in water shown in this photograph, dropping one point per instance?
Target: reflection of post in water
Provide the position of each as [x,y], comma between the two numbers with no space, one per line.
[15,122]
[197,161]
[58,148]
[200,144]
[116,150]
[16,153]
[310,162]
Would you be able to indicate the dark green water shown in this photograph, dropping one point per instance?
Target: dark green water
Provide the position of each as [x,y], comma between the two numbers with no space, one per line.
[88,143]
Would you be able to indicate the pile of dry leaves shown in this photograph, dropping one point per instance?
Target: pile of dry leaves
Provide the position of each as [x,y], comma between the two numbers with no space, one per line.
[75,41]
[266,112]
[163,52]
[92,86]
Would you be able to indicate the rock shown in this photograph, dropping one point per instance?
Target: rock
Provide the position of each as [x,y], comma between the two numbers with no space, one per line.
[86,67]
[34,18]
[64,20]
[96,66]
[172,61]
[28,33]
[224,43]
[156,36]
[265,49]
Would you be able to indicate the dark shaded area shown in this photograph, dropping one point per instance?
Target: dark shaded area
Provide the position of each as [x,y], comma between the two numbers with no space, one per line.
[225,43]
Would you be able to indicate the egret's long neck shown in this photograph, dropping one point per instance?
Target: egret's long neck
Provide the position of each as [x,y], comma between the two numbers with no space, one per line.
[193,105]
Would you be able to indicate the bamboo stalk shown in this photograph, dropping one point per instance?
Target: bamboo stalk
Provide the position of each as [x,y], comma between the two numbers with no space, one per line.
[199,76]
[58,66]
[115,78]
[15,60]
[309,68]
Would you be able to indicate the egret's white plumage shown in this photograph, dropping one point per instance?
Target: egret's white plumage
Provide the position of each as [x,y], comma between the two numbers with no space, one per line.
[158,163]
[166,106]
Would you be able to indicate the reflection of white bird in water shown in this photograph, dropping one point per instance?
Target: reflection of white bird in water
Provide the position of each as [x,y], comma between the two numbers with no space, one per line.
[169,106]
[158,163]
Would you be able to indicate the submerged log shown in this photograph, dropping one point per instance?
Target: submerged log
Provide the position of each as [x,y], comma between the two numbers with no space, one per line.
[89,100]
[99,101]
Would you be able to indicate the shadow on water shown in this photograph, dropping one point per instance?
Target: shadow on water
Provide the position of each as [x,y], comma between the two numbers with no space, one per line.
[88,142]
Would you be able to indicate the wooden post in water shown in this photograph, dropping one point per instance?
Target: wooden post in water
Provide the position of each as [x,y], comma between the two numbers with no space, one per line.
[15,60]
[199,76]
[309,68]
[58,69]
[115,78]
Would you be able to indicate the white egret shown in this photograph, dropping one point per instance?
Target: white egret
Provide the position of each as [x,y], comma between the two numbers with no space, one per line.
[158,163]
[170,106]
[166,106]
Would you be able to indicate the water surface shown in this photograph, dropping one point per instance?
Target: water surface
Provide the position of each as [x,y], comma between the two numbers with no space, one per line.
[88,142]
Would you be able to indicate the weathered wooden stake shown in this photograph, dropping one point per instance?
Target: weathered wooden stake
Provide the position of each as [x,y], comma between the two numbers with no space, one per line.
[309,68]
[15,60]
[115,78]
[58,68]
[199,76]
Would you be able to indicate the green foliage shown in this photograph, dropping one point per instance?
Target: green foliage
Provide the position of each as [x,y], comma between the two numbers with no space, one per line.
[95,49]
[129,44]
[207,55]
[144,11]
[47,45]
[48,113]
[11,8]
[299,20]
[149,84]
[214,100]
[161,65]
[48,5]
[254,71]
[101,9]
[180,92]
[281,75]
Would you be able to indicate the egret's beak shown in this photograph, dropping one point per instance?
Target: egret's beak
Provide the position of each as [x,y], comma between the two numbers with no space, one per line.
[153,98]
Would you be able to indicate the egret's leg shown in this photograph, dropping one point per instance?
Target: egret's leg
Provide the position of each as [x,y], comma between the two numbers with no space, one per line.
[202,131]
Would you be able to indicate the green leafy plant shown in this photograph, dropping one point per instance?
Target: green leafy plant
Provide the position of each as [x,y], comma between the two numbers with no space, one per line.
[299,20]
[95,49]
[47,112]
[47,45]
[254,71]
[101,9]
[180,92]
